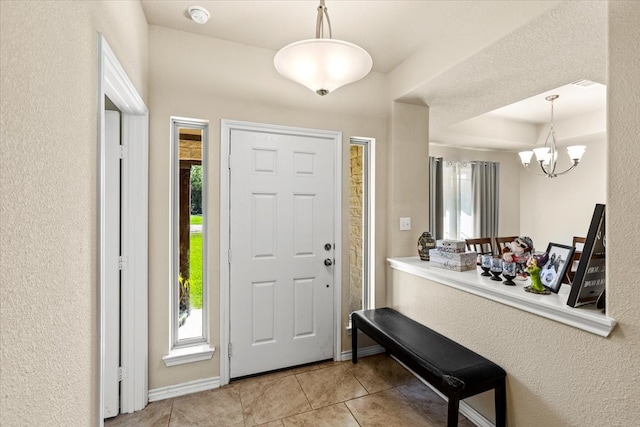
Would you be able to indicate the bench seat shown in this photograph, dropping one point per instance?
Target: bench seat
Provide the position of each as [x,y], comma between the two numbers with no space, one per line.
[453,369]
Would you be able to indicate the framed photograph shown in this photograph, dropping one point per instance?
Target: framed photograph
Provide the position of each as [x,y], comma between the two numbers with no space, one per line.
[589,281]
[556,266]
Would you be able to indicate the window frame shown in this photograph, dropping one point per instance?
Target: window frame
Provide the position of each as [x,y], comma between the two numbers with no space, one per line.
[368,213]
[192,349]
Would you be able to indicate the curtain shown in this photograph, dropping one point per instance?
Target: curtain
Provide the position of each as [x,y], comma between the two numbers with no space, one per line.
[485,185]
[436,203]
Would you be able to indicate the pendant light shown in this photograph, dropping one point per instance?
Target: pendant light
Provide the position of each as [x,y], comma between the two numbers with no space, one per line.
[323,64]
[547,155]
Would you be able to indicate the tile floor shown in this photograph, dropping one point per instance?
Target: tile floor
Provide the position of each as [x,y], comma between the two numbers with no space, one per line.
[376,392]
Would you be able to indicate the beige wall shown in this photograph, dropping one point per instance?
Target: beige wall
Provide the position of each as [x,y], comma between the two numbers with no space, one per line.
[48,191]
[509,213]
[408,162]
[201,90]
[559,375]
[555,210]
[48,207]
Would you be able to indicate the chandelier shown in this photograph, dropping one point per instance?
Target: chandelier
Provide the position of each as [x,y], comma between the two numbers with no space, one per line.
[323,64]
[547,156]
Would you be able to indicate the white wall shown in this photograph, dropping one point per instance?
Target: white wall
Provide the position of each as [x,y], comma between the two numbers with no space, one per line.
[48,201]
[509,220]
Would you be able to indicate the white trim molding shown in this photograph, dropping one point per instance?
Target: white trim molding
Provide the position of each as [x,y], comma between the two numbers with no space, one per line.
[553,306]
[114,83]
[182,355]
[362,352]
[196,386]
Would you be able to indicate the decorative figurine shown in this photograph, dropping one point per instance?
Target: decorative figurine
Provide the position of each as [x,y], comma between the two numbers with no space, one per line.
[536,286]
[519,251]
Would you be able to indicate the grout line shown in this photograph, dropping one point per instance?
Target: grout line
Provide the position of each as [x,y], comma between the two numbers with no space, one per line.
[170,413]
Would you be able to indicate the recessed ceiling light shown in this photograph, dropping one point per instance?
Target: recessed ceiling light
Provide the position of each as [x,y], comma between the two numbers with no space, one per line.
[198,14]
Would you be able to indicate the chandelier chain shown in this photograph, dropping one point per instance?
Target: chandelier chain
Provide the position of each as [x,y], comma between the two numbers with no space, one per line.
[322,13]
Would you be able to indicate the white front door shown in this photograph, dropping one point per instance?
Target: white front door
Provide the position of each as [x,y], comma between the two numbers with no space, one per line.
[282,195]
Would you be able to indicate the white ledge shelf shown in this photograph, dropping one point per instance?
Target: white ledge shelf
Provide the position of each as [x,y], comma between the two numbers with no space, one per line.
[195,353]
[554,306]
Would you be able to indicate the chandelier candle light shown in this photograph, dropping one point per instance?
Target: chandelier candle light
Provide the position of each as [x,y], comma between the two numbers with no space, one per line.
[323,64]
[547,156]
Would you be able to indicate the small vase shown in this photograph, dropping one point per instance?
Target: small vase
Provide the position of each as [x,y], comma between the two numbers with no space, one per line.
[425,242]
[509,273]
[496,268]
[485,265]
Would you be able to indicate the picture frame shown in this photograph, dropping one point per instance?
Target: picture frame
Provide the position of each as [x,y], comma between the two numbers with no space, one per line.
[589,281]
[555,268]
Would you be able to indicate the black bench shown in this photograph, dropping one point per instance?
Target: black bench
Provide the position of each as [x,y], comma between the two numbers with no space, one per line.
[454,370]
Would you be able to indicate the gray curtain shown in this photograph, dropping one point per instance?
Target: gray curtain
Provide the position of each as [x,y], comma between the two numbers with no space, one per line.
[436,202]
[485,184]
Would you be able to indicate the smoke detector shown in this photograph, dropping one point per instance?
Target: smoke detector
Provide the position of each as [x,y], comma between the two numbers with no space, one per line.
[198,14]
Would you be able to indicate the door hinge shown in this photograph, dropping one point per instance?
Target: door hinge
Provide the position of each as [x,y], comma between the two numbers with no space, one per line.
[229,256]
[229,162]
[229,350]
[122,373]
[122,263]
[122,152]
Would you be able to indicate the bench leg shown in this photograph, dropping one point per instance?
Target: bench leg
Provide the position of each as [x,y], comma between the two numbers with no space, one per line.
[354,343]
[454,408]
[501,404]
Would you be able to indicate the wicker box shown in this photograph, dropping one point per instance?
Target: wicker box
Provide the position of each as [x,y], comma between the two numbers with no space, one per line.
[453,261]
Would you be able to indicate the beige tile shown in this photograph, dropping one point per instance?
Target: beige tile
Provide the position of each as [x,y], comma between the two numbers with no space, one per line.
[277,423]
[387,408]
[329,364]
[329,416]
[270,399]
[221,407]
[380,372]
[429,403]
[278,374]
[327,386]
[156,414]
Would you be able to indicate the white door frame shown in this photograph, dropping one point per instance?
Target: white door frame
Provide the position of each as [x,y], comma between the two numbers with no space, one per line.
[226,126]
[114,83]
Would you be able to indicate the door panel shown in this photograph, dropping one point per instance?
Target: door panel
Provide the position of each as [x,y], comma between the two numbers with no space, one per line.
[282,214]
[111,385]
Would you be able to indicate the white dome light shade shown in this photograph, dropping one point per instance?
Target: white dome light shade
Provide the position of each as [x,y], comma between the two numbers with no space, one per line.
[323,65]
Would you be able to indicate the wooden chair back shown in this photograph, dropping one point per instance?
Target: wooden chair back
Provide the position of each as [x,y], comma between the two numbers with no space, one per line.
[578,244]
[501,242]
[482,245]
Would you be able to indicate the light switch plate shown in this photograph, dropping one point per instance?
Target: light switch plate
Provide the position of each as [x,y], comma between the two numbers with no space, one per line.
[405,223]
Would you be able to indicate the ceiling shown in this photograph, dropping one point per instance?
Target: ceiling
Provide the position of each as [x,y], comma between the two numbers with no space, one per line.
[393,31]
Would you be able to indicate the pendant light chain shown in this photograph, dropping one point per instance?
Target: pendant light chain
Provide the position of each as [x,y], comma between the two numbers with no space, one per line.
[322,12]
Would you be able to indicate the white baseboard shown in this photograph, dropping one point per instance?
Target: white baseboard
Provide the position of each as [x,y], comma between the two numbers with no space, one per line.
[466,410]
[362,352]
[195,386]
